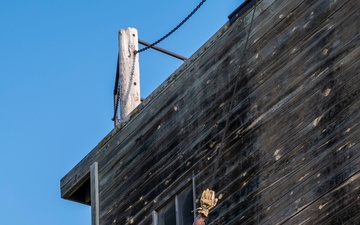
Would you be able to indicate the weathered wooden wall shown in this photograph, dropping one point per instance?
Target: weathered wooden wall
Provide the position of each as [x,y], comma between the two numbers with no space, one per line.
[268,108]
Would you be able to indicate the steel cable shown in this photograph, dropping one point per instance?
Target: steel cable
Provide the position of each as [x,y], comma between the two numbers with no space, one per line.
[173,30]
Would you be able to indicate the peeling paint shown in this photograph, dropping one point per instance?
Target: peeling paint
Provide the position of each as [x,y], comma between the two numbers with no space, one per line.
[305,221]
[245,183]
[325,51]
[327,92]
[277,154]
[323,205]
[317,121]
[220,196]
[302,178]
[341,147]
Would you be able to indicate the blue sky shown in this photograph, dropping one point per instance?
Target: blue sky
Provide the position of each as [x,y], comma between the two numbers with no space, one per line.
[57,72]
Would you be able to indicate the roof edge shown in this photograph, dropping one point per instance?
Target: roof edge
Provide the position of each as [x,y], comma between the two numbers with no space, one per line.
[245,6]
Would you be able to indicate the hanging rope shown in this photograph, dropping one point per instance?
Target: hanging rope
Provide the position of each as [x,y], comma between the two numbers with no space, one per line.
[220,148]
[173,30]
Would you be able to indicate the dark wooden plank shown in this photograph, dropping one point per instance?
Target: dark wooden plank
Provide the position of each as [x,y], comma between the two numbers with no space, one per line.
[299,100]
[265,188]
[332,205]
[294,102]
[348,214]
[269,14]
[302,141]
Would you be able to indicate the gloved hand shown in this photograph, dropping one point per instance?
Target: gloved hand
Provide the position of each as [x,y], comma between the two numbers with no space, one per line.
[207,201]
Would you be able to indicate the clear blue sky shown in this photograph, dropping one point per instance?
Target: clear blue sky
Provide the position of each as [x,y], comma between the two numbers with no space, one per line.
[57,71]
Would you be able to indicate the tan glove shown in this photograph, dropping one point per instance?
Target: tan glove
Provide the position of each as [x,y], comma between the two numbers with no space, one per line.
[207,201]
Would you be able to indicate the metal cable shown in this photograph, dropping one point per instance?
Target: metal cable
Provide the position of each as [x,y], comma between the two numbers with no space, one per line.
[173,30]
[116,107]
[116,92]
[117,89]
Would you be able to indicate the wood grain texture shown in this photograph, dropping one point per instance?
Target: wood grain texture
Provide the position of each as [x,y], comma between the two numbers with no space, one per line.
[266,113]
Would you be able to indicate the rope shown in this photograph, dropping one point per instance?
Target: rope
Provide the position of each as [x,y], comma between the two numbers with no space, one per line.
[220,148]
[173,30]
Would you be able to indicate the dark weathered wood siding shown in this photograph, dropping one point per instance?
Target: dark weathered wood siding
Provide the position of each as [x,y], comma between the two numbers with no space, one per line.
[268,108]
